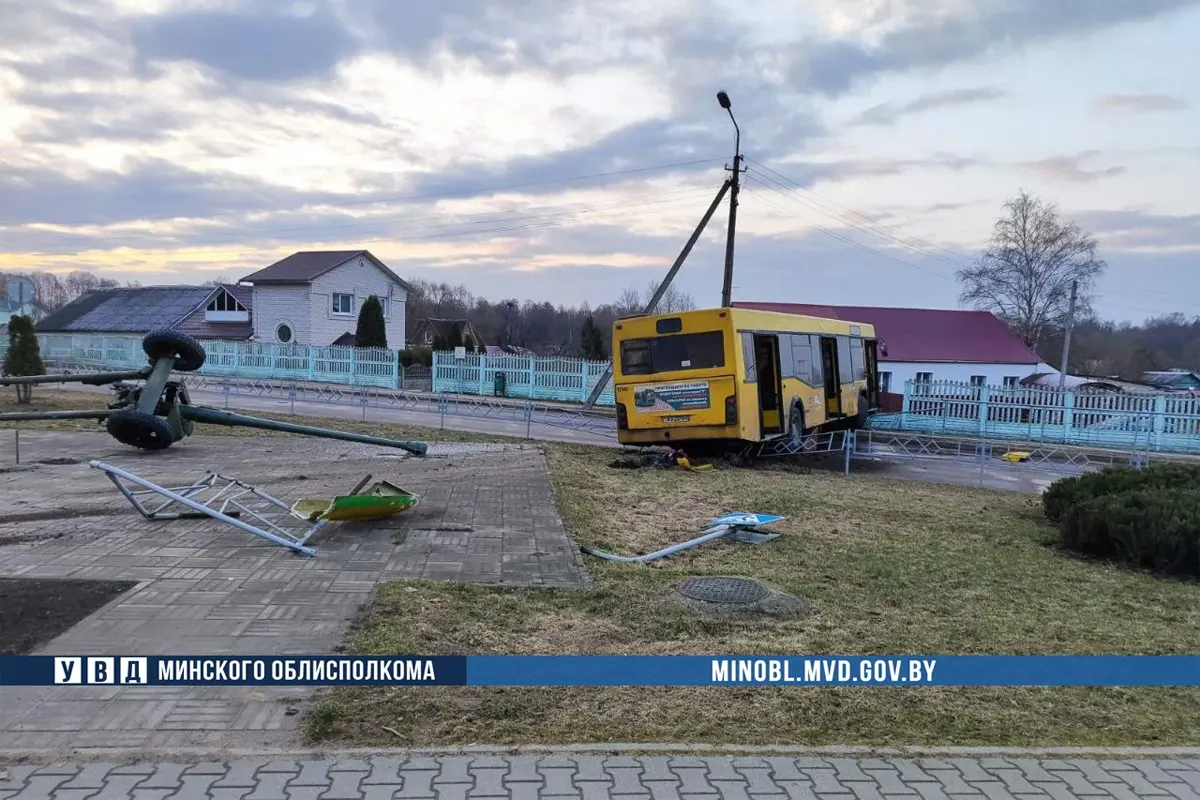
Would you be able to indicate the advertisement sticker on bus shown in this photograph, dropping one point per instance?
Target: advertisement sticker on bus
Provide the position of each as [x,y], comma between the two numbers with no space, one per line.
[667,397]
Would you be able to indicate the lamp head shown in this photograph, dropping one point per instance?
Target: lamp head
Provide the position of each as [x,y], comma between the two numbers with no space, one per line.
[723,99]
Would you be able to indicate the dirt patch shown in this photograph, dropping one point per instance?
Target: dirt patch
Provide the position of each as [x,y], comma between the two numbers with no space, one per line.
[37,610]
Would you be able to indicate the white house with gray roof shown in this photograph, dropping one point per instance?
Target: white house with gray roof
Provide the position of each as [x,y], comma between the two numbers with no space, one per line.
[314,298]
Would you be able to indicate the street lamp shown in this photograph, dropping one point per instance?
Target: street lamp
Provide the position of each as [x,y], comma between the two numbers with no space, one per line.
[727,285]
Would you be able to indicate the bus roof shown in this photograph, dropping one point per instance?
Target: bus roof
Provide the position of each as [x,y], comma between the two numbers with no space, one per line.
[766,320]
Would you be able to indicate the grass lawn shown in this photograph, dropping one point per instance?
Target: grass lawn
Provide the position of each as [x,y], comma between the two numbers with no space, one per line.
[890,567]
[69,400]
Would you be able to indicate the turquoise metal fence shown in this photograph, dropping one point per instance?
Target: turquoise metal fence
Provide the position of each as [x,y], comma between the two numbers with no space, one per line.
[567,379]
[345,365]
[1168,422]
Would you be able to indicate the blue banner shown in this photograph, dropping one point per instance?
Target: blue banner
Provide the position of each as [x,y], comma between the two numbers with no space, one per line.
[600,670]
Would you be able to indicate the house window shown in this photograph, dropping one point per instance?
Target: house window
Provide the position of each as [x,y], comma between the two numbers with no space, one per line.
[978,380]
[224,307]
[885,382]
[1011,381]
[383,303]
[224,301]
[924,377]
[428,337]
[284,333]
[343,303]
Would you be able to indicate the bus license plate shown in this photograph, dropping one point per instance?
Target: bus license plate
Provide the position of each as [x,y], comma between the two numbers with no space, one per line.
[683,418]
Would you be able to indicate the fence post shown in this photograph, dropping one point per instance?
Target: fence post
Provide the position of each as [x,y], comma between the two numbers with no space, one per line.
[354,366]
[906,403]
[482,374]
[1160,418]
[532,376]
[398,379]
[1068,415]
[985,396]
[585,371]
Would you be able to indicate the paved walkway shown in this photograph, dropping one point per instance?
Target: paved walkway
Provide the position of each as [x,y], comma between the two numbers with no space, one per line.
[486,516]
[588,777]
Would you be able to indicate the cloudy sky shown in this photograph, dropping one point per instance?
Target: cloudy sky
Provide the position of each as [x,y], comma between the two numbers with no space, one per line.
[563,149]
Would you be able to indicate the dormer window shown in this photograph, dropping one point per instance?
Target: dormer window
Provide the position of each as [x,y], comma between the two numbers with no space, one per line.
[224,307]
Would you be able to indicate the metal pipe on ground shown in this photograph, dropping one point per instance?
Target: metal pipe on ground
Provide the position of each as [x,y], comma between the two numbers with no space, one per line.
[87,378]
[712,534]
[17,416]
[212,416]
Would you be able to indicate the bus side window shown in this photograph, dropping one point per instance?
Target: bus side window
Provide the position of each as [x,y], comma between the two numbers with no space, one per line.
[818,373]
[858,359]
[802,361]
[749,357]
[845,367]
[786,368]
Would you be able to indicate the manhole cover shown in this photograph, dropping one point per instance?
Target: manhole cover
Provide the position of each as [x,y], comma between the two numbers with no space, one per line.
[723,590]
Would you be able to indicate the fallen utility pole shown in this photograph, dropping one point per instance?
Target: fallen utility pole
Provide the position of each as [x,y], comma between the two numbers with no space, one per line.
[662,288]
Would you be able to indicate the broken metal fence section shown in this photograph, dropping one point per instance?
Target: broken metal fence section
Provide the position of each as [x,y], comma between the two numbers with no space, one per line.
[217,497]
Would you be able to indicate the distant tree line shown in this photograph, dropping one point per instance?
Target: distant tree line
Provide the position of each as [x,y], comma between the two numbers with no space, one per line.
[1106,349]
[55,291]
[543,328]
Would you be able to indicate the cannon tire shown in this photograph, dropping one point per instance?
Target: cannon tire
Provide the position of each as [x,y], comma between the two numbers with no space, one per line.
[138,429]
[167,343]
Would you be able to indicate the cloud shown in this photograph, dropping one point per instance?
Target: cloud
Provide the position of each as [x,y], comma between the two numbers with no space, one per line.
[1142,231]
[889,113]
[1071,169]
[1141,103]
[834,67]
[249,46]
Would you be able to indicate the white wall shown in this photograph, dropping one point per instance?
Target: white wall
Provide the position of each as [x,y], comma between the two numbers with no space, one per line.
[274,305]
[361,278]
[994,374]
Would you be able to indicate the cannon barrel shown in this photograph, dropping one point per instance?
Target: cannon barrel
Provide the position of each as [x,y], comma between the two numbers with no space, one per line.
[90,378]
[18,416]
[212,416]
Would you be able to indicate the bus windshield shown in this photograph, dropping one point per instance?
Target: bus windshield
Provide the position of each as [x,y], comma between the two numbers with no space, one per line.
[689,351]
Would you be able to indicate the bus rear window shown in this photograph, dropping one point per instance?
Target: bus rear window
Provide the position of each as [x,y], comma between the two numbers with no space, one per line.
[673,353]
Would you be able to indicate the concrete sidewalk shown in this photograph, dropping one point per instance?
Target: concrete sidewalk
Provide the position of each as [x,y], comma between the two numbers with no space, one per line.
[591,777]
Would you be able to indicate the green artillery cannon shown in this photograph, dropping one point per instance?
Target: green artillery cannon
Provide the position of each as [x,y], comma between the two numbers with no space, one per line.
[158,413]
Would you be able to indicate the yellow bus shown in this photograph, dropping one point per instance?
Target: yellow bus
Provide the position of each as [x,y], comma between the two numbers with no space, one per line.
[736,375]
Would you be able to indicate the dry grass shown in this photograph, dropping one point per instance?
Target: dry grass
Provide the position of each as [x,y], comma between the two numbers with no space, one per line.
[890,567]
[67,400]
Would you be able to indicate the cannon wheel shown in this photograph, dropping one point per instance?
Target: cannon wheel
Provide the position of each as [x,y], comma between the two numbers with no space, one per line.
[138,429]
[167,343]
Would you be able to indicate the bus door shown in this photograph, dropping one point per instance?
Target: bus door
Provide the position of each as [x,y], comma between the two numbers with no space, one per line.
[770,388]
[870,347]
[829,368]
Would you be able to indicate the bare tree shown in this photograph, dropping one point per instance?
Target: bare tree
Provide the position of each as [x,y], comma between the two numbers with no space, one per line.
[633,301]
[1025,275]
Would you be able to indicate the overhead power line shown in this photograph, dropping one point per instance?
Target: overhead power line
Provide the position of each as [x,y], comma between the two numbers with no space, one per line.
[861,221]
[768,188]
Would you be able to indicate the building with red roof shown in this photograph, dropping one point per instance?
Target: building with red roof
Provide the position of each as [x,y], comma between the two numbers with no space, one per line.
[930,344]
